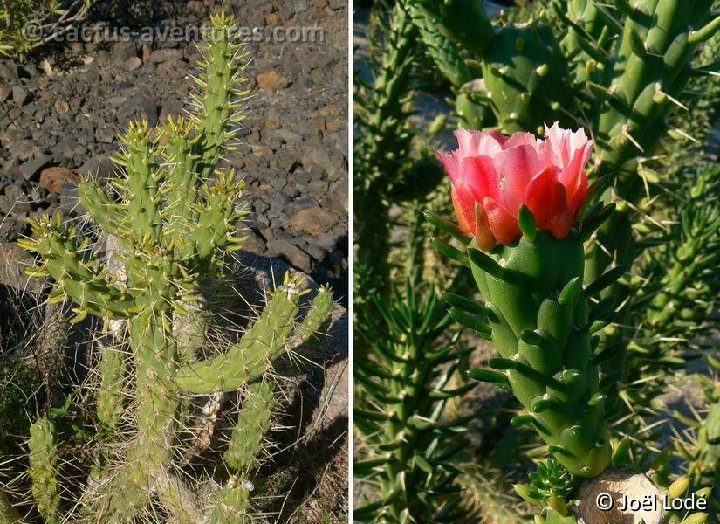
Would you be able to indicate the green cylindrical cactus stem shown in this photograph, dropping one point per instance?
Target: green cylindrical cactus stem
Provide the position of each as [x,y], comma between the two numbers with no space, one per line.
[44,470]
[545,344]
[129,491]
[318,315]
[221,81]
[524,73]
[252,424]
[8,513]
[446,54]
[231,505]
[143,180]
[250,358]
[241,457]
[112,380]
[462,21]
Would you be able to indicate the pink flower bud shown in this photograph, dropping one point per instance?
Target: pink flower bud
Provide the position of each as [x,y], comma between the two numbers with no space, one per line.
[492,176]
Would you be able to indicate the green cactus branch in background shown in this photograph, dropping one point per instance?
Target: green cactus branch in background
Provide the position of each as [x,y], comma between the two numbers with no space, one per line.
[175,216]
[381,151]
[401,412]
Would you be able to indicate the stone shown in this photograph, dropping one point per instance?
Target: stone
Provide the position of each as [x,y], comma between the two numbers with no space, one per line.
[53,178]
[333,401]
[617,483]
[300,6]
[105,134]
[13,261]
[19,95]
[314,221]
[62,107]
[19,203]
[27,170]
[5,92]
[296,257]
[139,107]
[8,71]
[99,167]
[10,229]
[67,151]
[172,107]
[271,81]
[133,63]
[70,200]
[123,51]
[165,55]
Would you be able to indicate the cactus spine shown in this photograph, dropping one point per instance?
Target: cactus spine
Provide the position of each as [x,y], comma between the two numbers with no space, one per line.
[175,219]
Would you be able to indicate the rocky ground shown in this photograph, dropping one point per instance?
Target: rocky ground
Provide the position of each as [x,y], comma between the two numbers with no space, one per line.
[62,109]
[60,114]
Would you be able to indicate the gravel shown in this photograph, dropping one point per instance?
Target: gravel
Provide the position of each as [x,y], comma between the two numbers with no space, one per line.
[64,109]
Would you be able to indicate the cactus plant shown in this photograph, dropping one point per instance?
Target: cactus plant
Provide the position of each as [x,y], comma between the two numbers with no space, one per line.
[175,218]
[381,157]
[402,412]
[517,199]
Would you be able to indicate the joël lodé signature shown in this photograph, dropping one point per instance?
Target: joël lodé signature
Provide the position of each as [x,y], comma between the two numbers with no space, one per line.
[606,502]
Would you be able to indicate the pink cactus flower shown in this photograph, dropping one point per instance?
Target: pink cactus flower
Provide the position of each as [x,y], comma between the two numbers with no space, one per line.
[492,176]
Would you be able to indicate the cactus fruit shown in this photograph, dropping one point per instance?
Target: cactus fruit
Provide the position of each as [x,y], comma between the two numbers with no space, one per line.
[175,220]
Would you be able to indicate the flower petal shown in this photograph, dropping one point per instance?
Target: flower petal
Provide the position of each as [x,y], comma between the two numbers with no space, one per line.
[464,205]
[502,223]
[546,199]
[483,235]
[515,168]
[574,178]
[451,165]
[476,143]
[521,139]
[478,172]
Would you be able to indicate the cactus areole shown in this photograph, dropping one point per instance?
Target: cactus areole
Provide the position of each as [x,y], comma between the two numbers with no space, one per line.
[519,199]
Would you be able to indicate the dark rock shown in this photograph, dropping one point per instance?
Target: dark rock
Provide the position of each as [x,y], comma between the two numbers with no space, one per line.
[166,55]
[139,107]
[5,91]
[290,252]
[20,95]
[27,71]
[133,63]
[123,51]
[103,58]
[19,202]
[29,169]
[8,71]
[99,167]
[68,151]
[172,107]
[10,229]
[105,134]
[5,205]
[70,200]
